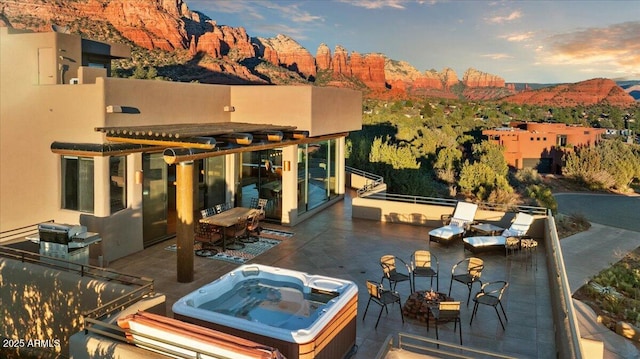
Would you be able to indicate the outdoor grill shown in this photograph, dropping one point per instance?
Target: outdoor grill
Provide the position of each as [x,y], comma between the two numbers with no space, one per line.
[66,241]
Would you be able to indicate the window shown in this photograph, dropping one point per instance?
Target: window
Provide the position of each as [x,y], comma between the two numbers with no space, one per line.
[561,140]
[77,183]
[118,182]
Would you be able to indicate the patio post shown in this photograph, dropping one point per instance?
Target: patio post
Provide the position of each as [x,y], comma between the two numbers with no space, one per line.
[184,225]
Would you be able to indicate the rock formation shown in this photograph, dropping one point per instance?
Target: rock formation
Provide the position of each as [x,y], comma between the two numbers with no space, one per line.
[590,92]
[286,52]
[475,78]
[169,25]
[323,57]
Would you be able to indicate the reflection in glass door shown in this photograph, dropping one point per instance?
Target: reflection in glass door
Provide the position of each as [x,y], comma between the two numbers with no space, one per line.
[316,174]
[261,177]
[154,198]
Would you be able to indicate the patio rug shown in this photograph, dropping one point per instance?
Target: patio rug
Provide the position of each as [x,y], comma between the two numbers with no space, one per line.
[250,251]
[271,232]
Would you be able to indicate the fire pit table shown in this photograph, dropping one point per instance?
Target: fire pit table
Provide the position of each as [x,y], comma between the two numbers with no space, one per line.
[418,305]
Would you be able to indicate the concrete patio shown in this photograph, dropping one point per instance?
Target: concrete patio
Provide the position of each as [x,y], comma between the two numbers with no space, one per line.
[334,244]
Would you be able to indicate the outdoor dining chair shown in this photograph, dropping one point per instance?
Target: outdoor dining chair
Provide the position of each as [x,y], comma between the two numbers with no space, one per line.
[252,232]
[467,272]
[382,297]
[235,232]
[207,234]
[424,264]
[392,273]
[446,312]
[491,294]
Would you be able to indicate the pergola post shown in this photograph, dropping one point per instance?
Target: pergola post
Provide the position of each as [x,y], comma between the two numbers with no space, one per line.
[184,225]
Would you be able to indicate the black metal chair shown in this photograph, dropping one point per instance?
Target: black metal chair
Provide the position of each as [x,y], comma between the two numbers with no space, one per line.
[422,265]
[444,313]
[382,297]
[391,272]
[491,294]
[468,274]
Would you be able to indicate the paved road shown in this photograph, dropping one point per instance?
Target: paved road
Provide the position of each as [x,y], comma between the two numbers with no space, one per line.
[611,210]
[614,232]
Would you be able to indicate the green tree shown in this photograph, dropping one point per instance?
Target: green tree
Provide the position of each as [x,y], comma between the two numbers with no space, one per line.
[447,163]
[492,155]
[152,73]
[139,73]
[399,157]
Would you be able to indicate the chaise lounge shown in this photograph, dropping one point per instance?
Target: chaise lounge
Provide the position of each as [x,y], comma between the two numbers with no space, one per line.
[460,221]
[519,227]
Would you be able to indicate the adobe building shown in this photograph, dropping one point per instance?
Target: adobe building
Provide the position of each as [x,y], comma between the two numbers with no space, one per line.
[121,156]
[541,145]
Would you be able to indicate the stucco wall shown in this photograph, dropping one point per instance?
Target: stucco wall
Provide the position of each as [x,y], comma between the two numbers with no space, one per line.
[318,110]
[164,102]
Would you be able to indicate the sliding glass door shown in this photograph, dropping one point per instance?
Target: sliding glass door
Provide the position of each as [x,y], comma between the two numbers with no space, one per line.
[316,174]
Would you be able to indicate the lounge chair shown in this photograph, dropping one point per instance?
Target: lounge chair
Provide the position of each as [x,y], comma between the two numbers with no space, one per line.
[519,228]
[460,221]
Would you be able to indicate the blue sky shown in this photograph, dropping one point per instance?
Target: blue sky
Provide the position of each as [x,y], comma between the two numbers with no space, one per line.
[521,41]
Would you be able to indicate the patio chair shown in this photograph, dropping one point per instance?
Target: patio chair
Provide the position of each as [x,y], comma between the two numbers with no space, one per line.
[460,221]
[252,232]
[422,265]
[261,205]
[518,228]
[382,297]
[235,232]
[391,272]
[491,294]
[207,235]
[467,272]
[444,313]
[208,212]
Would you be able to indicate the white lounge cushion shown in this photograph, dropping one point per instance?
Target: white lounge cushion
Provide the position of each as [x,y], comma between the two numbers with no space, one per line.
[485,241]
[446,232]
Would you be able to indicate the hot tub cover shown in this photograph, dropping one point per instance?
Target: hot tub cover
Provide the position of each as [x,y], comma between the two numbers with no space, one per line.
[143,327]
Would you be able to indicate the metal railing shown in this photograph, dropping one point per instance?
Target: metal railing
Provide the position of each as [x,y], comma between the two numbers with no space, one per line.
[373,180]
[21,232]
[567,334]
[426,346]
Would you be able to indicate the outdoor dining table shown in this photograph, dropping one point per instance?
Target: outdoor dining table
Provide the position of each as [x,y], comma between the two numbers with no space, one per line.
[228,219]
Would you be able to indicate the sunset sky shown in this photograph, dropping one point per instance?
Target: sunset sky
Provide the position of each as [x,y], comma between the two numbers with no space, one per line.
[521,41]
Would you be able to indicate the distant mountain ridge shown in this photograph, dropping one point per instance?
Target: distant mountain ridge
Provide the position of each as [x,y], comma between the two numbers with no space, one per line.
[235,57]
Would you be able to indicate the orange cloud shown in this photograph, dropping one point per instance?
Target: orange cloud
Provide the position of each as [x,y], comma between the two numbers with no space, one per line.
[616,47]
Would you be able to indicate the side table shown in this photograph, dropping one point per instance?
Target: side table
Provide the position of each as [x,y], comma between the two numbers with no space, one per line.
[486,229]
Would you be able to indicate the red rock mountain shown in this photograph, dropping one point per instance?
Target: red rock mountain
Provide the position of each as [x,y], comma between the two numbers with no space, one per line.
[590,92]
[229,55]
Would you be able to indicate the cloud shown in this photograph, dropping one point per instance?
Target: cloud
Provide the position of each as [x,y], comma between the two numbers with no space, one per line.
[292,32]
[376,4]
[229,7]
[498,56]
[514,15]
[615,48]
[518,37]
[293,12]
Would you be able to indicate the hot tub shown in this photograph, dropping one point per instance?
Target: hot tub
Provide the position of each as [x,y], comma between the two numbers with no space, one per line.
[304,316]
